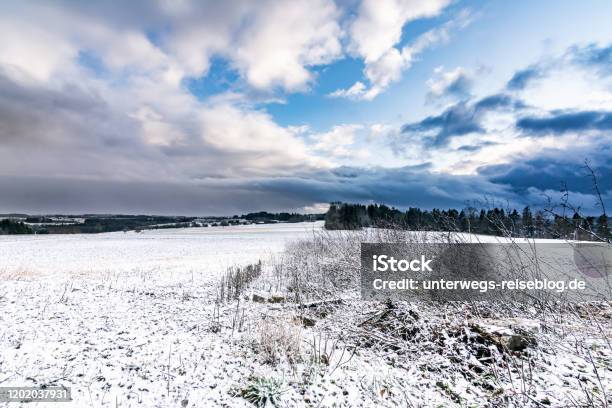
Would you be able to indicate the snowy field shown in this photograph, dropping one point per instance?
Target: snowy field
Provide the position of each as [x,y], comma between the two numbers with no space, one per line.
[122,318]
[203,251]
[131,320]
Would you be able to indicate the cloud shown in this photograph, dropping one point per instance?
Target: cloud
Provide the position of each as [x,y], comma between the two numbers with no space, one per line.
[523,77]
[456,83]
[553,169]
[561,122]
[403,187]
[418,186]
[381,130]
[95,131]
[475,147]
[96,114]
[285,39]
[271,44]
[36,195]
[378,26]
[105,98]
[350,142]
[244,132]
[338,140]
[377,30]
[459,119]
[356,91]
[408,186]
[515,185]
[593,56]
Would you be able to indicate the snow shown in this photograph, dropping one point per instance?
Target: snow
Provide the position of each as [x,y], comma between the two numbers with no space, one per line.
[208,250]
[130,320]
[123,317]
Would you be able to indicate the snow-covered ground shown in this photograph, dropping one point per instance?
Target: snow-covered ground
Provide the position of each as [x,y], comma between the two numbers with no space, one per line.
[199,250]
[130,320]
[123,318]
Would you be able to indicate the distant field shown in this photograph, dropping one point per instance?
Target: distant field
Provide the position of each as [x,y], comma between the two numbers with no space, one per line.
[202,250]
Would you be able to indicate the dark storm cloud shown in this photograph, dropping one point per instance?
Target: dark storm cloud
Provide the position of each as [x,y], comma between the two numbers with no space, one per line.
[409,186]
[555,168]
[44,195]
[561,122]
[460,119]
[512,184]
[401,187]
[516,184]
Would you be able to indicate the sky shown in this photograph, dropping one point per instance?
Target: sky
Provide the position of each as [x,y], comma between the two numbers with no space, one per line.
[221,108]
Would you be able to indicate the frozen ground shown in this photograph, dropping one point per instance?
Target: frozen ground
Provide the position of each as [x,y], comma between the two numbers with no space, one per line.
[130,320]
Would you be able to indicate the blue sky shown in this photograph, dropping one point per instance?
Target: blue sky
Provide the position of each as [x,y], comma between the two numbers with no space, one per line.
[224,107]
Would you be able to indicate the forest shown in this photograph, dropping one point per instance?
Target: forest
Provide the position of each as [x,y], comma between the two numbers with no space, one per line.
[540,223]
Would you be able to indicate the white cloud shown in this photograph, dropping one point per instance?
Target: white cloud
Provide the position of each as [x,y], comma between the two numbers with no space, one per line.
[566,87]
[258,140]
[286,38]
[380,130]
[374,36]
[354,91]
[378,26]
[316,208]
[23,42]
[455,82]
[272,44]
[337,141]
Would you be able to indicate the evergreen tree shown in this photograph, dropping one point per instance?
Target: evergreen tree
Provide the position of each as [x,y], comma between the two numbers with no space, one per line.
[11,227]
[515,223]
[527,221]
[603,230]
[540,225]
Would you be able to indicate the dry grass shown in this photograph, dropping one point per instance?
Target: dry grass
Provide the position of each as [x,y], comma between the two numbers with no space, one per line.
[279,339]
[236,280]
[17,274]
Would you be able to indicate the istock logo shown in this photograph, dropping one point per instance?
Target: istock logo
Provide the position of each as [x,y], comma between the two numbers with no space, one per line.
[568,272]
[384,263]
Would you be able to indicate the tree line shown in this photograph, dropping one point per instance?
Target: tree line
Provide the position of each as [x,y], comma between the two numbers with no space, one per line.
[264,216]
[491,221]
[14,227]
